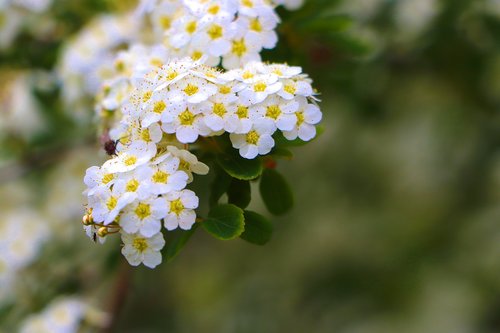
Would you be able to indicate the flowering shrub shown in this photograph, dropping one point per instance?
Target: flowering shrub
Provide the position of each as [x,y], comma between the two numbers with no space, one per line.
[167,112]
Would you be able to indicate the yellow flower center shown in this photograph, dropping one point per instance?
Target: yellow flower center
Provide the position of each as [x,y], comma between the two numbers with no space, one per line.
[120,66]
[131,160]
[300,118]
[242,111]
[213,9]
[224,90]
[289,88]
[145,135]
[196,55]
[140,244]
[239,47]
[247,3]
[111,203]
[146,96]
[156,62]
[190,89]
[185,166]
[215,31]
[160,177]
[165,22]
[191,27]
[186,118]
[171,75]
[260,87]
[132,185]
[219,109]
[142,210]
[159,107]
[252,137]
[107,178]
[248,75]
[176,207]
[273,111]
[255,25]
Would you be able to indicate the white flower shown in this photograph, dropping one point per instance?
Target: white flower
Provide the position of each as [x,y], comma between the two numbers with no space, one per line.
[243,50]
[183,28]
[138,249]
[133,182]
[258,141]
[278,113]
[96,177]
[259,29]
[187,124]
[181,209]
[188,162]
[136,154]
[143,216]
[191,89]
[164,176]
[293,88]
[307,116]
[216,36]
[260,88]
[220,114]
[107,204]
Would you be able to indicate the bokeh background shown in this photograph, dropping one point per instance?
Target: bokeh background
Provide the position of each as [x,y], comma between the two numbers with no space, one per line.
[396,224]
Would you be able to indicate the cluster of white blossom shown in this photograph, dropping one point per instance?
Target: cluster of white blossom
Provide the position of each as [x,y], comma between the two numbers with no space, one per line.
[190,100]
[157,99]
[84,62]
[61,316]
[234,30]
[135,191]
[14,14]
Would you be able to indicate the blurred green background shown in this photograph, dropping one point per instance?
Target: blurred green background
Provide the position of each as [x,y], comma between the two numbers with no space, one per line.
[396,222]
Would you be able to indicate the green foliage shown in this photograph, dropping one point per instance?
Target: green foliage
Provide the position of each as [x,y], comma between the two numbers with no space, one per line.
[225,222]
[239,167]
[180,239]
[258,229]
[239,193]
[275,192]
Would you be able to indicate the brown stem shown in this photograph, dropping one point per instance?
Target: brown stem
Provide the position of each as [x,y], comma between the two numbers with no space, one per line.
[119,296]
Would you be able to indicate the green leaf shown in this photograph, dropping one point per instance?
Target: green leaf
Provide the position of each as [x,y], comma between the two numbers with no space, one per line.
[239,193]
[283,153]
[225,222]
[258,229]
[239,167]
[175,246]
[219,186]
[275,192]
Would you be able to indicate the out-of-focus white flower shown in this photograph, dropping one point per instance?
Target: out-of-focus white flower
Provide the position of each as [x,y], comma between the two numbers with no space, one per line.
[413,16]
[19,111]
[61,316]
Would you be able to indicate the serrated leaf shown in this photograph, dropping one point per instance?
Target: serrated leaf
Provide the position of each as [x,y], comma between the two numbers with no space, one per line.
[177,244]
[275,192]
[225,222]
[258,229]
[239,193]
[239,167]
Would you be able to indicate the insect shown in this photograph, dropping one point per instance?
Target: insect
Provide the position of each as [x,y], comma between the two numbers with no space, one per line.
[109,144]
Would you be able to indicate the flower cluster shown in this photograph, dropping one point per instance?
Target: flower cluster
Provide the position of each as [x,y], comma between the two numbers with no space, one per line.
[190,100]
[236,30]
[155,100]
[137,190]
